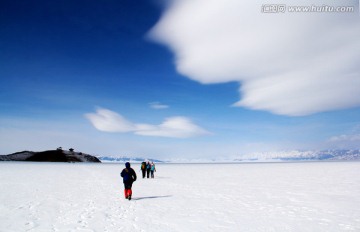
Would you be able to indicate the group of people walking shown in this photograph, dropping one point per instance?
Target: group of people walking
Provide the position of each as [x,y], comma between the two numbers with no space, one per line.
[129,175]
[148,169]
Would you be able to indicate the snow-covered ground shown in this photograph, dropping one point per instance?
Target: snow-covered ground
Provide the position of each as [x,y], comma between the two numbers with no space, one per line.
[182,197]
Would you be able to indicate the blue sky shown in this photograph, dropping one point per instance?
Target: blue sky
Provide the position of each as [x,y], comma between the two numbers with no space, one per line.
[190,79]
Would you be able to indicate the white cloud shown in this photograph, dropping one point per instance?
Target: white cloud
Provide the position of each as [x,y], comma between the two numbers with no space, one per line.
[177,127]
[345,141]
[349,140]
[109,121]
[287,63]
[158,106]
[346,138]
[173,127]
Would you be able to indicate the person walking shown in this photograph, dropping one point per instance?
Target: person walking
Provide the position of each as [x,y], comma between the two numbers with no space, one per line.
[148,168]
[152,169]
[143,169]
[129,176]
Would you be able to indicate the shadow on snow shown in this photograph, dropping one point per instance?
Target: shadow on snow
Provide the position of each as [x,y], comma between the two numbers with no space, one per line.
[150,197]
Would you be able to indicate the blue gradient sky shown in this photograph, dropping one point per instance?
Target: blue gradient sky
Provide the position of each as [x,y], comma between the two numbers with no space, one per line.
[63,64]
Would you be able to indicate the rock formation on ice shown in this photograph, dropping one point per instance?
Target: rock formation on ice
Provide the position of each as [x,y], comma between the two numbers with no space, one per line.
[57,155]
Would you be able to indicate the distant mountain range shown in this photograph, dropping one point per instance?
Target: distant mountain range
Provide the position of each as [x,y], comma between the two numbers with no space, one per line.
[295,155]
[124,159]
[58,155]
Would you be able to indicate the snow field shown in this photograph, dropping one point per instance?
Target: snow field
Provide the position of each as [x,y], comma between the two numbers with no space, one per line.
[182,197]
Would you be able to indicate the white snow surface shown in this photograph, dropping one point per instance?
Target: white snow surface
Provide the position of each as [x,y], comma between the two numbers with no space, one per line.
[316,196]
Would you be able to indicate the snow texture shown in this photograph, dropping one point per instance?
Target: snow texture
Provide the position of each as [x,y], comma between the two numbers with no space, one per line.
[311,196]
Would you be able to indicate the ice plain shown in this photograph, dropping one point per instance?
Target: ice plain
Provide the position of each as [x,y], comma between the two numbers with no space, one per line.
[307,196]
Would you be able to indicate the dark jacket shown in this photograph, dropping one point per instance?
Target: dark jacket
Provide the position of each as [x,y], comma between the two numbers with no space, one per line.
[143,166]
[128,174]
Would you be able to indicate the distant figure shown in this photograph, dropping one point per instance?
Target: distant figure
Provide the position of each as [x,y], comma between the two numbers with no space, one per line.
[129,176]
[148,168]
[152,169]
[143,169]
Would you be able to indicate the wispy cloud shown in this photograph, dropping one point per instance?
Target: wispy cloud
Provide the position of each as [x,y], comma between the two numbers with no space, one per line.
[173,127]
[346,138]
[177,127]
[345,141]
[287,63]
[158,106]
[109,121]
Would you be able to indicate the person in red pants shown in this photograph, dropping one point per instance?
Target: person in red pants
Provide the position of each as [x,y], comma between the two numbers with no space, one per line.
[129,176]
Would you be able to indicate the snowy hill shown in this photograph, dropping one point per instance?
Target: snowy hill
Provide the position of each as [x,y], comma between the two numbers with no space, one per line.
[50,156]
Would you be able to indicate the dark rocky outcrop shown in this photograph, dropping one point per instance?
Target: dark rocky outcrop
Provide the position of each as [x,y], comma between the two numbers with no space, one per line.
[50,156]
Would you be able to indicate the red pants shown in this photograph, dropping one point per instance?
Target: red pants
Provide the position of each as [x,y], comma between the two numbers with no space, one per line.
[127,192]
